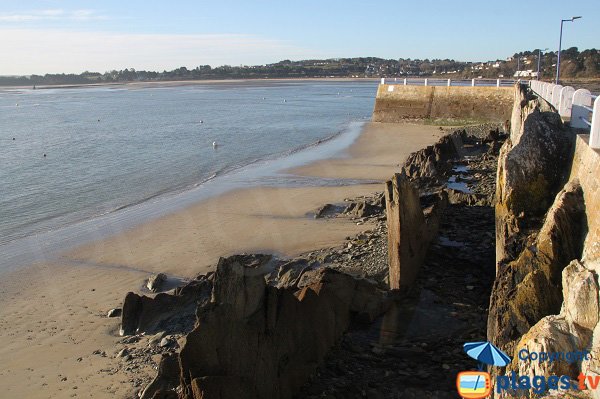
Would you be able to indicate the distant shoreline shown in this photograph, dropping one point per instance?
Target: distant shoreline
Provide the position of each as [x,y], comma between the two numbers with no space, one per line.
[176,83]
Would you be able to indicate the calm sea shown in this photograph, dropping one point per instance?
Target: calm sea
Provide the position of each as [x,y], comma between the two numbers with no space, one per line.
[107,149]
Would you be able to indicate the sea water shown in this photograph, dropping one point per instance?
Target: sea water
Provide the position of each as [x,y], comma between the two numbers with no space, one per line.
[68,156]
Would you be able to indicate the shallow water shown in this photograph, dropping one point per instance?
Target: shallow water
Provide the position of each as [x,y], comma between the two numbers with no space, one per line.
[111,148]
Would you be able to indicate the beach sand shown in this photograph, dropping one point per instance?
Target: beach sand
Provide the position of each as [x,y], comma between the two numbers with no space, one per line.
[53,315]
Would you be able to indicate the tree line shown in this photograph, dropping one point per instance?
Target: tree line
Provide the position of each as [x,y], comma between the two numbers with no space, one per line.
[574,64]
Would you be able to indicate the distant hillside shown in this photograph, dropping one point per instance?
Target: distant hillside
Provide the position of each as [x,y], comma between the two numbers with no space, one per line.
[574,64]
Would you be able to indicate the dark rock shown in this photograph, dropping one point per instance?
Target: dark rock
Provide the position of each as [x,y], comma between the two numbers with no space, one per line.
[156,282]
[164,311]
[531,170]
[264,339]
[166,380]
[529,287]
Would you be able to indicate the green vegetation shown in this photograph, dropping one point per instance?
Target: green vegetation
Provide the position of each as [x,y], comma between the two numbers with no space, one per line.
[574,64]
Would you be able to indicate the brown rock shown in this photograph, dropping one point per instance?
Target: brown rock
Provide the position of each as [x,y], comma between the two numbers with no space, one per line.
[529,288]
[409,234]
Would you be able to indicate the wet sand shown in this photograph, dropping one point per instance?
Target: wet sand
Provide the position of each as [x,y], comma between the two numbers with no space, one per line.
[53,314]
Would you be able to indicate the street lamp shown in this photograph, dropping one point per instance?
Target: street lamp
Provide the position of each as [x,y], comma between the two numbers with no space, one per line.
[539,58]
[560,45]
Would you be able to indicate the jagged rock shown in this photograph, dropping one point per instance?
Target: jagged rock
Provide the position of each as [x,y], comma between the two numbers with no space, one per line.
[325,210]
[166,380]
[156,282]
[265,339]
[289,274]
[531,170]
[471,199]
[164,311]
[570,331]
[580,291]
[116,312]
[529,288]
[432,161]
[366,208]
[409,234]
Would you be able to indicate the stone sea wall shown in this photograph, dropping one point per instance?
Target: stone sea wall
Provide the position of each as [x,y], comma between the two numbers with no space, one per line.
[395,103]
[545,295]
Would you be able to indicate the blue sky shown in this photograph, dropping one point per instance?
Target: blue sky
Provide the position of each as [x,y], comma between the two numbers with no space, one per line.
[71,36]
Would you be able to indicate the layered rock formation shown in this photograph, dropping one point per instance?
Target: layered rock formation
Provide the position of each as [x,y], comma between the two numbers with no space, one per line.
[410,231]
[532,308]
[264,330]
[532,168]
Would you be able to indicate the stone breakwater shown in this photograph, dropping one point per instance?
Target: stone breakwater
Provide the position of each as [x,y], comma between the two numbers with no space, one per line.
[327,323]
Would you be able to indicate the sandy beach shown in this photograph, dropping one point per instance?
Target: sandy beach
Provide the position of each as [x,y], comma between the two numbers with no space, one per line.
[53,314]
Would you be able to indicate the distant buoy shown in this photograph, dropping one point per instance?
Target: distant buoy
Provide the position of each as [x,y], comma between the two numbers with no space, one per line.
[201,121]
[13,138]
[284,100]
[98,120]
[215,144]
[44,155]
[264,98]
[17,104]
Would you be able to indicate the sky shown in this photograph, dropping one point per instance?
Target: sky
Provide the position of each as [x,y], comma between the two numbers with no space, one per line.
[56,36]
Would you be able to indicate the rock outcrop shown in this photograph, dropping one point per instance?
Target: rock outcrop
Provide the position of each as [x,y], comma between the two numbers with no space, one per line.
[529,288]
[432,162]
[265,329]
[568,332]
[165,311]
[366,207]
[532,167]
[409,231]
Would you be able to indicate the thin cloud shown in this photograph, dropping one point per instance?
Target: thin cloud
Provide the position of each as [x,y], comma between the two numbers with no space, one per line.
[38,51]
[52,15]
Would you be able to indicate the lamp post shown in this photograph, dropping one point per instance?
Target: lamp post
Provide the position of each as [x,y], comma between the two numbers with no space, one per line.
[539,60]
[560,45]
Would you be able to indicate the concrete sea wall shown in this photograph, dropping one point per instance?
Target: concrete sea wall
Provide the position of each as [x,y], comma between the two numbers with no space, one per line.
[395,103]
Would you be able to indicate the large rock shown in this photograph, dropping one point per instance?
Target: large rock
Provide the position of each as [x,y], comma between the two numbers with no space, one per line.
[529,288]
[532,167]
[165,311]
[367,207]
[409,232]
[260,337]
[156,282]
[569,331]
[431,163]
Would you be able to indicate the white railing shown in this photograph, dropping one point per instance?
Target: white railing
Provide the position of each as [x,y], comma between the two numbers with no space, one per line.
[449,82]
[580,107]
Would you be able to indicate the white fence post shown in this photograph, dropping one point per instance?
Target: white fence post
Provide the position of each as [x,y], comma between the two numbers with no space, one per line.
[425,81]
[556,96]
[382,81]
[497,82]
[404,81]
[581,98]
[566,101]
[473,82]
[595,129]
[449,83]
